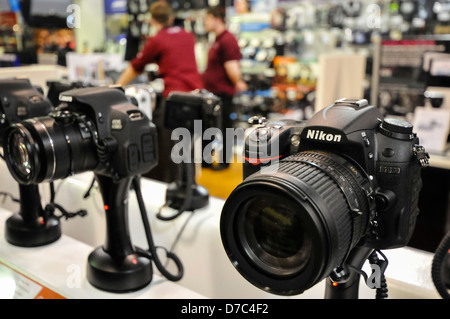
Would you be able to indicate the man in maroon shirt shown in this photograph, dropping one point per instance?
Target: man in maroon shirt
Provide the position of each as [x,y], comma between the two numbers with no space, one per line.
[172,48]
[223,74]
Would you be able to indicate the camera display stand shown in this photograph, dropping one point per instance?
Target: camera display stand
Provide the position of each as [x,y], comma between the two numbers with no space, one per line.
[185,194]
[347,286]
[117,266]
[30,227]
[177,192]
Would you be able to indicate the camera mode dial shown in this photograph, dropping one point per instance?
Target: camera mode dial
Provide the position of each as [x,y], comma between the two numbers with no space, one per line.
[64,117]
[257,120]
[397,128]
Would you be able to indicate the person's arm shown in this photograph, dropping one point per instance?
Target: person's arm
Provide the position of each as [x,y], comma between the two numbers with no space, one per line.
[127,76]
[233,69]
[137,65]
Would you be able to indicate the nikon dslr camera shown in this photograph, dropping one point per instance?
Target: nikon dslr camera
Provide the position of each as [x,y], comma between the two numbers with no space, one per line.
[346,178]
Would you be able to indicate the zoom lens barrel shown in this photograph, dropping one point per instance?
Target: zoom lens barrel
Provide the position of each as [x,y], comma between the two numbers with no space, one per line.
[286,231]
[48,148]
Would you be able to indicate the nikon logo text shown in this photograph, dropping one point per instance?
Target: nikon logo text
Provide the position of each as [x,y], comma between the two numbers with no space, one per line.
[323,136]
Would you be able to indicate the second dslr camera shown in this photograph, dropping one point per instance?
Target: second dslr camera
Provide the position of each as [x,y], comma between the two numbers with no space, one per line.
[83,133]
[346,178]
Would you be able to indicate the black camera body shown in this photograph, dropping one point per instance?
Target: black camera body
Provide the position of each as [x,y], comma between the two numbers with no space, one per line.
[183,108]
[94,129]
[270,142]
[186,110]
[122,128]
[56,87]
[20,100]
[346,178]
[386,151]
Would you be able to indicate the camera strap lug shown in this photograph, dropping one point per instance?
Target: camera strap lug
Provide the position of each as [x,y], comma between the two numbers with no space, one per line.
[340,274]
[421,155]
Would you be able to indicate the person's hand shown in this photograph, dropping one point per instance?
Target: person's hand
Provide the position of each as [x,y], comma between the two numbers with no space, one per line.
[241,86]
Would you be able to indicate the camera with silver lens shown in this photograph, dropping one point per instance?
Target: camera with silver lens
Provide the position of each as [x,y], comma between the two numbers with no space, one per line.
[32,225]
[93,129]
[334,190]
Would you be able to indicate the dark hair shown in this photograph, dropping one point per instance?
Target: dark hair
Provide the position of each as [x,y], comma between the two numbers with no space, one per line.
[217,12]
[161,11]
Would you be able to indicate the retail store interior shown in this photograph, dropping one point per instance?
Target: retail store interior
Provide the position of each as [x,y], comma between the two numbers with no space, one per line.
[298,58]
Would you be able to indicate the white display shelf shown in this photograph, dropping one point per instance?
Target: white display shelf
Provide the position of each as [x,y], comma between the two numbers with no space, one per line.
[207,270]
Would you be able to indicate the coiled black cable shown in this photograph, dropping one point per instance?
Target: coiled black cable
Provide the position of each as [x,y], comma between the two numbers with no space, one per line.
[382,291]
[152,247]
[437,266]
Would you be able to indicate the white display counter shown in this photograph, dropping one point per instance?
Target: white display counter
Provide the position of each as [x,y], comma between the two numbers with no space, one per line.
[207,270]
[58,270]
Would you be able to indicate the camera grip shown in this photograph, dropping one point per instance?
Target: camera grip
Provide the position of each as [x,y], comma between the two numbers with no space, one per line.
[118,266]
[115,200]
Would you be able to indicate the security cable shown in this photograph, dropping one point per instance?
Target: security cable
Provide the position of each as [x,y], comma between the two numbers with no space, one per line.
[51,207]
[382,291]
[438,266]
[152,247]
[91,186]
[11,196]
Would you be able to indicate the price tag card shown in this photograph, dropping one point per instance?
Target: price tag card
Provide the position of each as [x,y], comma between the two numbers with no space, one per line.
[14,285]
[432,126]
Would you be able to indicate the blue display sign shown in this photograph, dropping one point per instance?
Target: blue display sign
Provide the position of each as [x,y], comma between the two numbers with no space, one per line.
[15,6]
[115,6]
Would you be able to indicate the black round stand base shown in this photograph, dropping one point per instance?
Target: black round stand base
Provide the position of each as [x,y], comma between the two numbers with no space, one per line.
[176,195]
[129,273]
[26,234]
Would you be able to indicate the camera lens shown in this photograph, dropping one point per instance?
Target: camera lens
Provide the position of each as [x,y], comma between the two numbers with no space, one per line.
[20,156]
[273,235]
[287,230]
[48,148]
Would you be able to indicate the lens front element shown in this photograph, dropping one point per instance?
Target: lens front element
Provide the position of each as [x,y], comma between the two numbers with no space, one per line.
[20,156]
[273,235]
